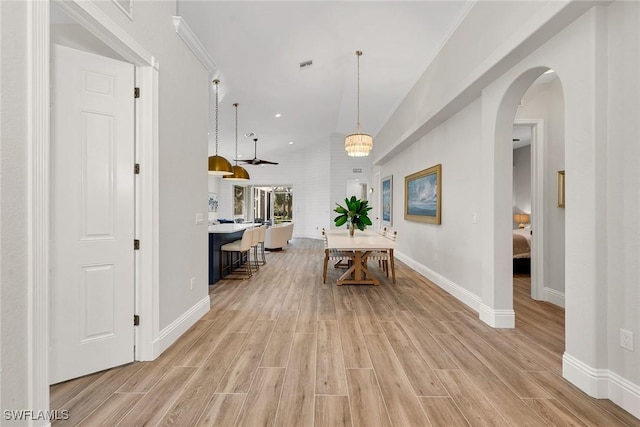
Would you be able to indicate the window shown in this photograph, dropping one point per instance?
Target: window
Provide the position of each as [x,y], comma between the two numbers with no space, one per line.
[273,204]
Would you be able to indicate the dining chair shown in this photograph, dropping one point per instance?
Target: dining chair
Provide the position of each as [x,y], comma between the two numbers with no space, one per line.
[385,257]
[331,254]
[242,247]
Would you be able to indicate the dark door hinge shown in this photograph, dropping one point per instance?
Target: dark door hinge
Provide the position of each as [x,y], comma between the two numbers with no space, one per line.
[136,244]
[136,169]
[136,92]
[136,320]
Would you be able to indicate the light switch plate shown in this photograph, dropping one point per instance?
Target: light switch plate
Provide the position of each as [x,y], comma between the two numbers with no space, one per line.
[199,218]
[626,339]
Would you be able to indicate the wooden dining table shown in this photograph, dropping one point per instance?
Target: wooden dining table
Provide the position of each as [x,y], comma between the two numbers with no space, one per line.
[358,247]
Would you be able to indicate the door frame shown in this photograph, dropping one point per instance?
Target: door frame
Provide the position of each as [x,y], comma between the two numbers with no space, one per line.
[537,205]
[146,273]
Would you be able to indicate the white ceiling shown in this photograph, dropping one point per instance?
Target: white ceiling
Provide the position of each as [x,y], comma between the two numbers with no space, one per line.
[258,47]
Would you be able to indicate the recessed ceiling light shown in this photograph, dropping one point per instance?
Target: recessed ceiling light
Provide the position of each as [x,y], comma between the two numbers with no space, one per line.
[239,155]
[278,115]
[290,142]
[549,71]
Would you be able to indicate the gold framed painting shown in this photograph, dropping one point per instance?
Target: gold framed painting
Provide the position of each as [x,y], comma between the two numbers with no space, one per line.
[560,188]
[423,195]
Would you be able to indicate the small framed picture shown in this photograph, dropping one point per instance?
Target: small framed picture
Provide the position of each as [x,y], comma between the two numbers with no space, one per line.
[213,202]
[387,201]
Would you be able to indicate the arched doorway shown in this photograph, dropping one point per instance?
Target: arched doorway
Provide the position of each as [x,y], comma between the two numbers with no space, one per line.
[497,306]
[538,157]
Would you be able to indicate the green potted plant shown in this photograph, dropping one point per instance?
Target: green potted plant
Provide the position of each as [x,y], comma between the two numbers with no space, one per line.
[355,214]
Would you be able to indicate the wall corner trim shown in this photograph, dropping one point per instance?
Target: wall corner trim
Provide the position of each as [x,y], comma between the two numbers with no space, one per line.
[190,39]
[554,297]
[497,318]
[175,329]
[602,384]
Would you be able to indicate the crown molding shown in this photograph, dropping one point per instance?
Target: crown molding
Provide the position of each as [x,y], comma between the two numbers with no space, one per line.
[193,43]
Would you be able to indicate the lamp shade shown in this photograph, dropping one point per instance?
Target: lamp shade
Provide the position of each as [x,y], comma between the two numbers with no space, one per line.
[358,144]
[239,174]
[219,166]
[521,218]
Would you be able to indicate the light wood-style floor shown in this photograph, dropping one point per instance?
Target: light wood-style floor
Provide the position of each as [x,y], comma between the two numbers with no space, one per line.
[283,349]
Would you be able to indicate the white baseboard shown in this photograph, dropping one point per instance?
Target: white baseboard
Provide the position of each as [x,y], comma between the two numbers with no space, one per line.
[554,297]
[494,318]
[497,318]
[173,331]
[462,294]
[602,384]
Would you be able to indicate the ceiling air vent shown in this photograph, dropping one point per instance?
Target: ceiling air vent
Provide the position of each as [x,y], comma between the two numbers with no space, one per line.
[306,64]
[357,170]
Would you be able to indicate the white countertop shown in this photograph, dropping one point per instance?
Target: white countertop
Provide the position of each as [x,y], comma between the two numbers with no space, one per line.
[231,228]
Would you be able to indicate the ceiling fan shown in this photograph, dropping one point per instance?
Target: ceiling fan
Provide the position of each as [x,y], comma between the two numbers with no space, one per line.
[256,160]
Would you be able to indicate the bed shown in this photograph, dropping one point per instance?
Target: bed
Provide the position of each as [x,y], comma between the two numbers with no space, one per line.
[522,250]
[521,243]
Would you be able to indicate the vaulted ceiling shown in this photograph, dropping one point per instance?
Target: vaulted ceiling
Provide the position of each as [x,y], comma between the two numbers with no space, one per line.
[258,47]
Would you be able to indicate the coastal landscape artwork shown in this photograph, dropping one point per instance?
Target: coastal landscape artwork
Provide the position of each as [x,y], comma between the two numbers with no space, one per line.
[387,200]
[423,195]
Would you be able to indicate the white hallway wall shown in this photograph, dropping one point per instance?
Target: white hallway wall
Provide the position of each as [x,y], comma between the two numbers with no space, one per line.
[446,253]
[623,190]
[183,95]
[602,291]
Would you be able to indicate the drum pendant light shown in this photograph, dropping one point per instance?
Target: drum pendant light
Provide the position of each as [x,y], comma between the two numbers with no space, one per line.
[239,173]
[218,165]
[358,144]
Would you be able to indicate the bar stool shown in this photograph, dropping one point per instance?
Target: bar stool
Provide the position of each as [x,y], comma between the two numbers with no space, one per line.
[242,247]
[262,234]
[255,241]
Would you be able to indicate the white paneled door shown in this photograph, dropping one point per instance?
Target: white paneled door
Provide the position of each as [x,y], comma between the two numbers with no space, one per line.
[92,214]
